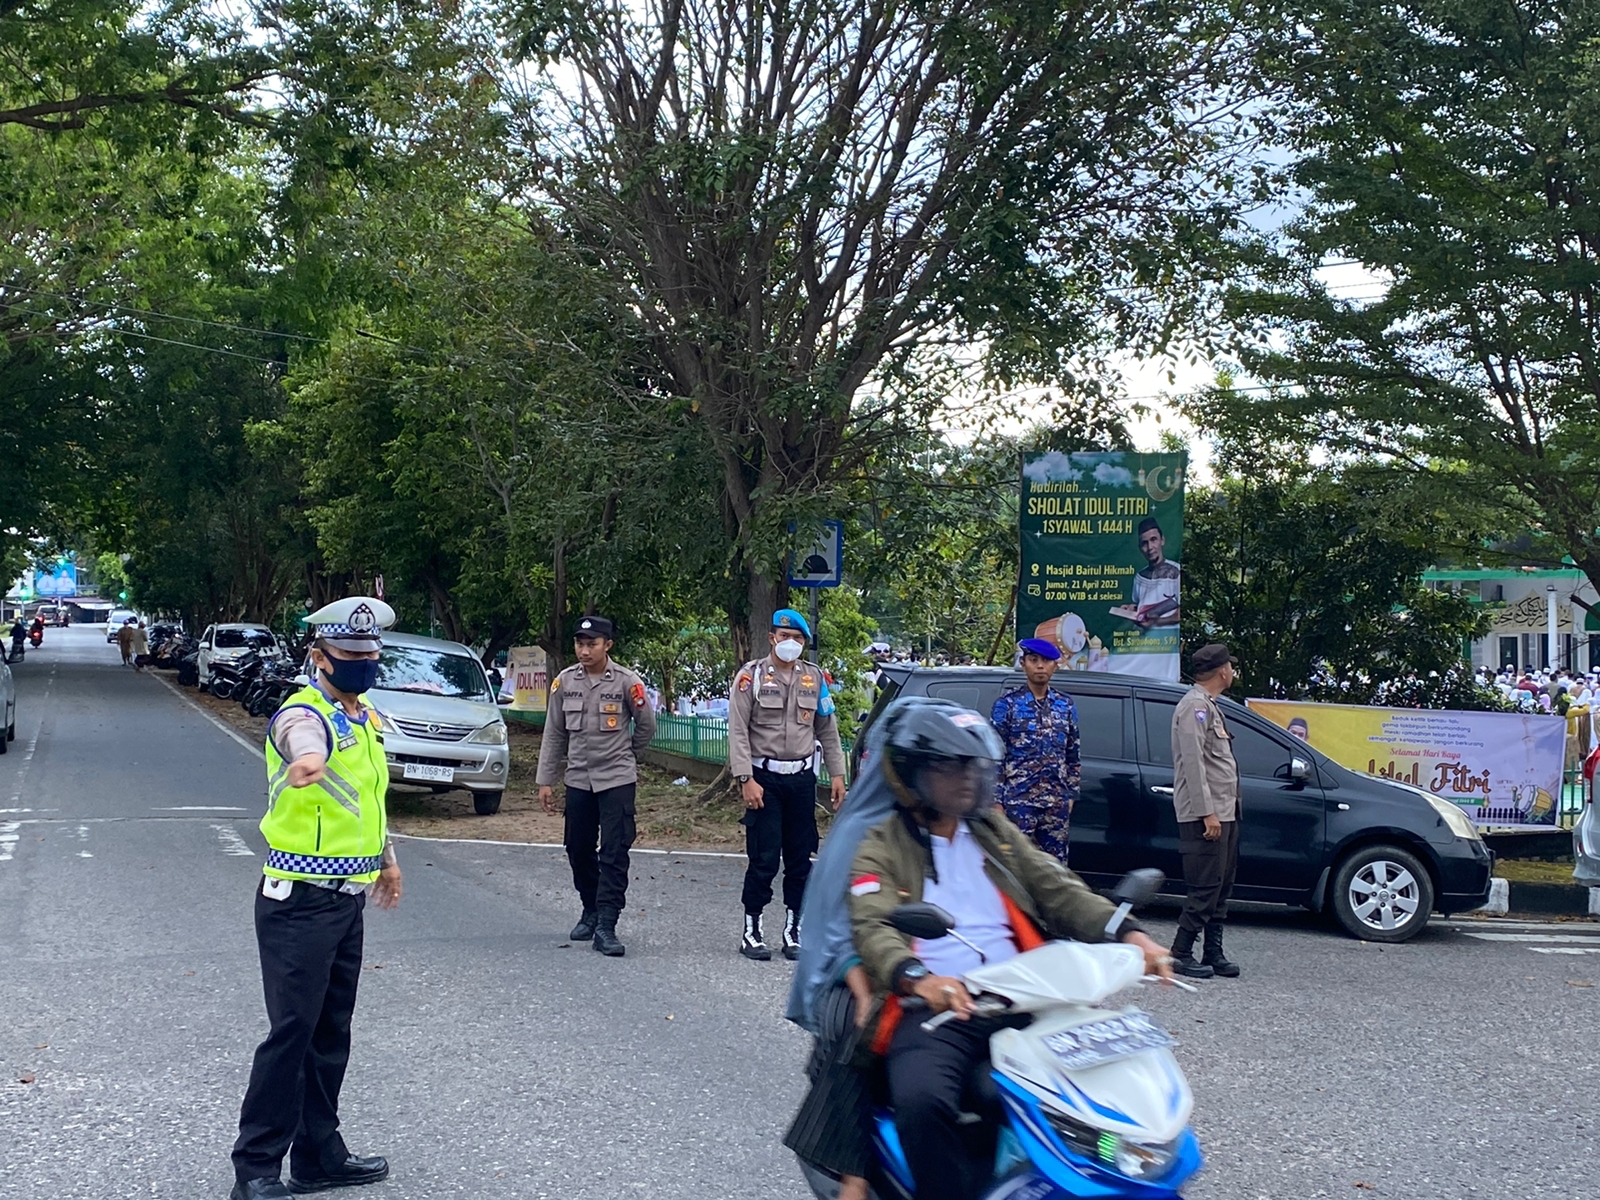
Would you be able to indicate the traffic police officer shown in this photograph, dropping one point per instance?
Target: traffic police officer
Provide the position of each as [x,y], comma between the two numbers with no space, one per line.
[1205,793]
[779,708]
[1040,774]
[599,718]
[327,836]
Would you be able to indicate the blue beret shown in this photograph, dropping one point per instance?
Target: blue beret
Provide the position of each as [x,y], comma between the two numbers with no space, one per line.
[1045,650]
[787,618]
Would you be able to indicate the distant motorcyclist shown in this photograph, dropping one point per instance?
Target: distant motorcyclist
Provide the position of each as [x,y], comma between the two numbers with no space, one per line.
[36,632]
[19,631]
[946,845]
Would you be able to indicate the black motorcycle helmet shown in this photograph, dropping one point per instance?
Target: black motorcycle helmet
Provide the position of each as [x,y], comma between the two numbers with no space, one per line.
[940,758]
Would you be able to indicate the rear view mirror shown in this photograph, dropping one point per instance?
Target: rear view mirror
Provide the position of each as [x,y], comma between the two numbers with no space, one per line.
[922,920]
[1138,887]
[1299,770]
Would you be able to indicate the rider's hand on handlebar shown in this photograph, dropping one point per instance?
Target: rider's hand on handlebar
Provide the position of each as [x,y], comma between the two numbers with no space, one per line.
[1157,961]
[941,992]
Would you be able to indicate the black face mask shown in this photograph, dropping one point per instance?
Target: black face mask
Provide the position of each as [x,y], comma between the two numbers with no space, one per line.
[352,676]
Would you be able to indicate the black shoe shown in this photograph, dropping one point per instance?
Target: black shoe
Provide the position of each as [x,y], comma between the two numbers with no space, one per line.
[351,1173]
[1183,957]
[605,938]
[1214,957]
[584,929]
[791,935]
[259,1189]
[753,944]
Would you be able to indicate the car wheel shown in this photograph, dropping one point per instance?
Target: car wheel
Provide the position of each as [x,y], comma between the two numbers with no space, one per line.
[1382,894]
[486,804]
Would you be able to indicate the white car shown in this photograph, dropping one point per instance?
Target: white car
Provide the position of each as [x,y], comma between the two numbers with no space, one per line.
[8,707]
[222,642]
[118,618]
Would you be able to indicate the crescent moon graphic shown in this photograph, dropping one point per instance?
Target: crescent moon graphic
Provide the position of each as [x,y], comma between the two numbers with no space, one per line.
[1152,483]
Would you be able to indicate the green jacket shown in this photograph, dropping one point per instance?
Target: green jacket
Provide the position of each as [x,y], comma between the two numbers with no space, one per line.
[892,858]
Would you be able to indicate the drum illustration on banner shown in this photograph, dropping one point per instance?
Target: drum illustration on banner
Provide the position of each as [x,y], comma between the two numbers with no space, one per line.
[1102,536]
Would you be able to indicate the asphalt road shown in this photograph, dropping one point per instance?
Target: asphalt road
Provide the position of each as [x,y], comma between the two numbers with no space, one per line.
[494,1060]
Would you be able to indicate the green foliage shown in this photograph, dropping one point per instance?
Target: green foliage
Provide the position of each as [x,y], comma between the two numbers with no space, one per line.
[1453,150]
[1314,579]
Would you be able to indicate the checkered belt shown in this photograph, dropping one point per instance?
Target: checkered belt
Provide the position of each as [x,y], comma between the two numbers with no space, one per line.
[328,868]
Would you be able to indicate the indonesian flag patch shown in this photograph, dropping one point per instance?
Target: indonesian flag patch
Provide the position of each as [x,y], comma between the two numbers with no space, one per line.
[865,885]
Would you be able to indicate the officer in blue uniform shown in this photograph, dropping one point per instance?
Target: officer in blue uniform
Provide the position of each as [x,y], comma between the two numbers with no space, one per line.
[1040,774]
[328,849]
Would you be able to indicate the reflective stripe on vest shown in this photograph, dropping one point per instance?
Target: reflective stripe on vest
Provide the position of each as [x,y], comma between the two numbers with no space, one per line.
[334,828]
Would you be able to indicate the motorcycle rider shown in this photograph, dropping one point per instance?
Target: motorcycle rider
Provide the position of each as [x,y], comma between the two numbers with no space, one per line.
[19,632]
[36,632]
[948,846]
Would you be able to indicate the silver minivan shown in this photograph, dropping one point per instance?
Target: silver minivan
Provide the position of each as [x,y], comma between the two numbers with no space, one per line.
[444,729]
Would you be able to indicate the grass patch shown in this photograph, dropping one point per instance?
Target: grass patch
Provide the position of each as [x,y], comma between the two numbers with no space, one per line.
[1523,870]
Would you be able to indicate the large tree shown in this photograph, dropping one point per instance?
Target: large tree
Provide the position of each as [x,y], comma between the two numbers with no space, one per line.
[1452,150]
[815,206]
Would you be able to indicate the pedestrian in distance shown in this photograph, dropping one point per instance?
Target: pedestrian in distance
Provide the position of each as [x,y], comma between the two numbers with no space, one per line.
[1205,793]
[1041,772]
[598,720]
[125,642]
[139,646]
[328,847]
[779,709]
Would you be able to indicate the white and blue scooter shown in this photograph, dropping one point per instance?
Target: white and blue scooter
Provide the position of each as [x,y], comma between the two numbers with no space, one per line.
[1095,1103]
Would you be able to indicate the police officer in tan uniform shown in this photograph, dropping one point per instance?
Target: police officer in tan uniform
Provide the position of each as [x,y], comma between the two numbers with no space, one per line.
[779,708]
[598,720]
[1205,792]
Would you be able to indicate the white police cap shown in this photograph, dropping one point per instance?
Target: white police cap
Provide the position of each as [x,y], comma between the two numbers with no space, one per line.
[355,623]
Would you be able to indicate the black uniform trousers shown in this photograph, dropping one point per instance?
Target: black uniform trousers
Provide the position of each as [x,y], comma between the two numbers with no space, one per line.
[310,947]
[1208,871]
[783,829]
[930,1083]
[605,817]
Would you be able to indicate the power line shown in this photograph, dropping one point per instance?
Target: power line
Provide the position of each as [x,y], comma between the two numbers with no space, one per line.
[150,312]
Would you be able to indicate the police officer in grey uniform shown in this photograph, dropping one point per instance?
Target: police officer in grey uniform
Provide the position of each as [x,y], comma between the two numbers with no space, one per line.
[599,718]
[1205,792]
[779,708]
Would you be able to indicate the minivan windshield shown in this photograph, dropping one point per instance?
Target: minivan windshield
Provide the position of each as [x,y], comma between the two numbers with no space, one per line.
[432,673]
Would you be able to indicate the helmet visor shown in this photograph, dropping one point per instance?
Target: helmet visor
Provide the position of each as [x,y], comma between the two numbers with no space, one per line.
[956,787]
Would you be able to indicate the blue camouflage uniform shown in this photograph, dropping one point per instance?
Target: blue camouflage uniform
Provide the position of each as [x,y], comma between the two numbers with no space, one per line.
[1041,773]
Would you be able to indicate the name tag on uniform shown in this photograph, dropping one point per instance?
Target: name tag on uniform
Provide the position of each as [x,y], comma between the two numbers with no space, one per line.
[276,889]
[346,743]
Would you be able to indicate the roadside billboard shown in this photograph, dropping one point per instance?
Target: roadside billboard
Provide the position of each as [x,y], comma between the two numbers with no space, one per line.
[1500,768]
[60,581]
[1102,540]
[530,679]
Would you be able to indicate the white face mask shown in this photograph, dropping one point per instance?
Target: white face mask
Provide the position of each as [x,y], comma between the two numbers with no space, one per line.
[788,650]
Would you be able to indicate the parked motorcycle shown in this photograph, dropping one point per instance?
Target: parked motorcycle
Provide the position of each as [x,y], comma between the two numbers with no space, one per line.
[1094,1102]
[226,676]
[264,695]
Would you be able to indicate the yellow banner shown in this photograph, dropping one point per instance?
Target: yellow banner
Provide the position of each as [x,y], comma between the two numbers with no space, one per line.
[1500,768]
[530,679]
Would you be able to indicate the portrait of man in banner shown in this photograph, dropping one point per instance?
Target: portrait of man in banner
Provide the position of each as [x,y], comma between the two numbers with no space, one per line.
[1156,588]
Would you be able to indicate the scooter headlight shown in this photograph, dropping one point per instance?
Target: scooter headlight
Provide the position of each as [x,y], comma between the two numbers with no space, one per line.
[1142,1160]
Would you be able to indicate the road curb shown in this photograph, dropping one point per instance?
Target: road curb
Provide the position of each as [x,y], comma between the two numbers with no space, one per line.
[1555,899]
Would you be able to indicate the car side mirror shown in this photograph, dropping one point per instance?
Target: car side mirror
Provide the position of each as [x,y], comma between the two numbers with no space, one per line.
[922,920]
[1138,887]
[1299,770]
[505,701]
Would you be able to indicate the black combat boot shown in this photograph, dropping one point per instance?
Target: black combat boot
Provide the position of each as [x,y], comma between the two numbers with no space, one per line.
[1183,956]
[1214,957]
[754,945]
[584,929]
[791,935]
[605,936]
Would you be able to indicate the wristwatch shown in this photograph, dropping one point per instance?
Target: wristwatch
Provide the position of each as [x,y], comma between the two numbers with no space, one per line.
[910,975]
[742,779]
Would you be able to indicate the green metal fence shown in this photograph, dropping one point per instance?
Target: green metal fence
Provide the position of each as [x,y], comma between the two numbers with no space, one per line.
[703,738]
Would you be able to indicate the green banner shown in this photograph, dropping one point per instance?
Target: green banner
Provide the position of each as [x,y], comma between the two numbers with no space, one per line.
[1102,536]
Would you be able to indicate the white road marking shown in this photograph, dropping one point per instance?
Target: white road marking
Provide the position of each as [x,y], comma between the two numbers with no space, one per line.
[83,836]
[8,839]
[1526,938]
[1565,949]
[213,718]
[201,808]
[417,837]
[232,843]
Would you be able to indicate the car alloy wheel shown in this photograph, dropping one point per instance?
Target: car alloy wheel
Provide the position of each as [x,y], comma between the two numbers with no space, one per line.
[1384,895]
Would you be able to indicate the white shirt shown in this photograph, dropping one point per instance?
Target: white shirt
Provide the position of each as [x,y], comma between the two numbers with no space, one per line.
[966,893]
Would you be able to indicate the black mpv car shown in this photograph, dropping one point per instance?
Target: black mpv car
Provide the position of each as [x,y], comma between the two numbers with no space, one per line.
[1380,856]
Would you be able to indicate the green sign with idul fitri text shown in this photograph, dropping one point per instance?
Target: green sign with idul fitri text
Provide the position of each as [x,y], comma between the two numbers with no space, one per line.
[1102,539]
